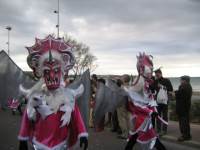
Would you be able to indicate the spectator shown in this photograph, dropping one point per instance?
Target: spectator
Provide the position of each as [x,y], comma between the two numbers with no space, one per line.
[123,113]
[92,100]
[115,119]
[162,83]
[183,104]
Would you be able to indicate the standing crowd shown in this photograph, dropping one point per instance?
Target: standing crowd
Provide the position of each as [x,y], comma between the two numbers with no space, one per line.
[119,119]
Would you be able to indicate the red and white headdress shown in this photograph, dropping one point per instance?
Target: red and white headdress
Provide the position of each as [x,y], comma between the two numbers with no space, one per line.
[142,61]
[59,49]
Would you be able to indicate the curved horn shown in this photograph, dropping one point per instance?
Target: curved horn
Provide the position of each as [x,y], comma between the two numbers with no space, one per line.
[23,90]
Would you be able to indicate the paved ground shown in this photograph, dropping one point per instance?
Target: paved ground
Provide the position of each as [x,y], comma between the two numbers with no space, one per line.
[106,140]
[174,133]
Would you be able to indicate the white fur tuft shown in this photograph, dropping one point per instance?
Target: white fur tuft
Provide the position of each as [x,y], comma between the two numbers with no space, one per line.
[23,90]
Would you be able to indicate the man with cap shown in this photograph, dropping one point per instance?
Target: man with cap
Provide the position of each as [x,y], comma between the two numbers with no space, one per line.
[183,104]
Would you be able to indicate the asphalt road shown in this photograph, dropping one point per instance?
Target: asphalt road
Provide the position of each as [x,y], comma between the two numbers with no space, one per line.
[9,126]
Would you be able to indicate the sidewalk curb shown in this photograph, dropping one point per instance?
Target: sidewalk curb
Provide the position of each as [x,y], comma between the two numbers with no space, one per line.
[193,144]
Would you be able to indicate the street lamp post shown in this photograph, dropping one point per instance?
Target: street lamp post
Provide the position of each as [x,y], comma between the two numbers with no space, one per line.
[58,18]
[9,29]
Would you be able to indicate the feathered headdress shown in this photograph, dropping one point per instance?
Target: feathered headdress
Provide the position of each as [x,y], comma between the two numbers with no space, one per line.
[144,60]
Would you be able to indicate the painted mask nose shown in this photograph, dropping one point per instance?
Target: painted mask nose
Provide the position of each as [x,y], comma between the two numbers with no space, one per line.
[52,75]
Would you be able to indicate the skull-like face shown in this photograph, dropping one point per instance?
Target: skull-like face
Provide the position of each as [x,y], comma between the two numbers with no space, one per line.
[52,74]
[145,66]
[148,71]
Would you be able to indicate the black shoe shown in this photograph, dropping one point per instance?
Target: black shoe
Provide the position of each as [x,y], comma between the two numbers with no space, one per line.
[188,138]
[113,130]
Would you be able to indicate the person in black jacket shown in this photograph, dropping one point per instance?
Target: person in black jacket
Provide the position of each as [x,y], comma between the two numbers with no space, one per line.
[183,104]
[162,108]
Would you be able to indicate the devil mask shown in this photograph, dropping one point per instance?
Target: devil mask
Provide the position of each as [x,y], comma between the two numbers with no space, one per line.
[145,65]
[51,59]
[52,72]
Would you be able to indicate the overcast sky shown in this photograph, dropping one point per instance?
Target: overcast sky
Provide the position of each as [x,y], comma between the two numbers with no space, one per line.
[115,31]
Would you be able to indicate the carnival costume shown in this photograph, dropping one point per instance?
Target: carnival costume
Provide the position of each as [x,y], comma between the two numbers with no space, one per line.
[51,120]
[142,106]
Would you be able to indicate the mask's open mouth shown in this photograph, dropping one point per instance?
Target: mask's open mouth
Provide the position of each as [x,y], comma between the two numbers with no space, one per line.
[52,83]
[52,74]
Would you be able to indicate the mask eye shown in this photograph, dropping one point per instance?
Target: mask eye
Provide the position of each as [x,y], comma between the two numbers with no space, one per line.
[56,70]
[46,71]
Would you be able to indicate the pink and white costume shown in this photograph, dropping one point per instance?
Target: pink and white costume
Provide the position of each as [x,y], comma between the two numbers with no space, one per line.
[13,104]
[141,111]
[52,120]
[48,132]
[142,103]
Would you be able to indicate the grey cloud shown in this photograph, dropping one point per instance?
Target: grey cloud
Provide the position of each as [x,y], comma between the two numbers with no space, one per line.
[135,11]
[160,27]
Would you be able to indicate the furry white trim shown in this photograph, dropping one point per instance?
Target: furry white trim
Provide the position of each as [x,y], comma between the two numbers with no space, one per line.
[23,90]
[38,145]
[46,102]
[23,138]
[84,134]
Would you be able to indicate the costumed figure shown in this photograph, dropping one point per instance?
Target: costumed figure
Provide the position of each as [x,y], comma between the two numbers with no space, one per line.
[14,105]
[142,106]
[51,120]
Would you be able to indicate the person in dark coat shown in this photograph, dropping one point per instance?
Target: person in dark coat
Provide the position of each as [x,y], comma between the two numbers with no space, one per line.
[162,108]
[183,104]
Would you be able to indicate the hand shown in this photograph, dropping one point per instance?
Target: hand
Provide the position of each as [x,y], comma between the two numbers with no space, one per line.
[23,145]
[84,141]
[154,114]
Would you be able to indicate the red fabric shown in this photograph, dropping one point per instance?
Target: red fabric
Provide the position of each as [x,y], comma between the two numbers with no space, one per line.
[13,103]
[76,127]
[138,121]
[49,43]
[140,114]
[146,136]
[26,129]
[136,110]
[48,131]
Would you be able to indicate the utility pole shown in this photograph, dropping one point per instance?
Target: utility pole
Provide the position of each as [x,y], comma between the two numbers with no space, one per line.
[8,42]
[58,18]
